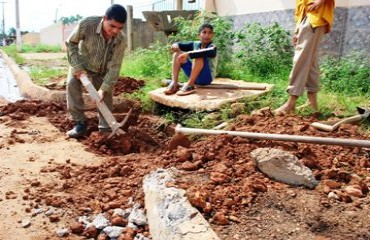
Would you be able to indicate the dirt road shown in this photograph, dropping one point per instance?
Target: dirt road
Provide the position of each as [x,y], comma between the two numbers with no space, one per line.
[27,148]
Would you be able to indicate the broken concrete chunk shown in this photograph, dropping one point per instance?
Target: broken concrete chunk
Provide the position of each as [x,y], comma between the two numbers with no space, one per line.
[113,231]
[283,166]
[137,217]
[100,221]
[26,223]
[84,219]
[62,232]
[140,236]
[122,212]
[170,214]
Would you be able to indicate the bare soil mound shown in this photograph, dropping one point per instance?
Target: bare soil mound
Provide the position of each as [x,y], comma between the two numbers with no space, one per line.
[123,85]
[220,177]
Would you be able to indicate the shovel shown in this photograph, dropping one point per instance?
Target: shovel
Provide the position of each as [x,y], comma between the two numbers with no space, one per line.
[107,114]
[333,125]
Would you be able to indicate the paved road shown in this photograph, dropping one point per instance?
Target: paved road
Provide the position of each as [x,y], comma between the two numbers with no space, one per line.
[8,86]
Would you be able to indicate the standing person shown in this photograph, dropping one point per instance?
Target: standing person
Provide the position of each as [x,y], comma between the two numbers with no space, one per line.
[95,48]
[202,70]
[314,18]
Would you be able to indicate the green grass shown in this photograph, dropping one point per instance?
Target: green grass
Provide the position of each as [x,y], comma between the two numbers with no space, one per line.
[332,101]
[11,51]
[344,81]
[40,48]
[41,75]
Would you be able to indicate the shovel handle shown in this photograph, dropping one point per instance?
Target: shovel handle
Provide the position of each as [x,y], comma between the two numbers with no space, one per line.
[330,128]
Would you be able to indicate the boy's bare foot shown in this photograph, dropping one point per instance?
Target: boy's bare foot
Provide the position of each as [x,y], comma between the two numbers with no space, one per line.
[308,105]
[284,109]
[311,101]
[288,107]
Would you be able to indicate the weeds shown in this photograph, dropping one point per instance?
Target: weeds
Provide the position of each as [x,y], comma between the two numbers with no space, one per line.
[26,48]
[264,50]
[42,75]
[11,51]
[255,53]
[348,75]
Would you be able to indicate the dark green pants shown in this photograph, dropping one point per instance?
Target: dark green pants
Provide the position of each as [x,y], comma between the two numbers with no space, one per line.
[75,103]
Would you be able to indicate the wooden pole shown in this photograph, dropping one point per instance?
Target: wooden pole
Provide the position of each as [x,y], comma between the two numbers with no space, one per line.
[18,38]
[129,26]
[179,4]
[3,23]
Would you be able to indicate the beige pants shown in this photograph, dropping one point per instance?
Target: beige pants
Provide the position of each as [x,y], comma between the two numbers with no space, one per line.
[305,72]
[75,103]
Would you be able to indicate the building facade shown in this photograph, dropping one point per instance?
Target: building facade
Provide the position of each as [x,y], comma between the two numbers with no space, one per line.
[351,29]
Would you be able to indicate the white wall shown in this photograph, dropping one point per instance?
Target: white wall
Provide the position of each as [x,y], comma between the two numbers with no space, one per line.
[52,35]
[239,7]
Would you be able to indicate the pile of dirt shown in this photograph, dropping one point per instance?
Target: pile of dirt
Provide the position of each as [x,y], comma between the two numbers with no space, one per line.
[123,85]
[140,136]
[127,85]
[219,175]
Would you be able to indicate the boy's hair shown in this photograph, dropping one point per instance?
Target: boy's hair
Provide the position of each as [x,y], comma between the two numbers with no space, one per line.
[205,25]
[116,12]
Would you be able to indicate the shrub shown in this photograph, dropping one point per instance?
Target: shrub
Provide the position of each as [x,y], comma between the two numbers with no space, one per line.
[349,74]
[264,50]
[153,62]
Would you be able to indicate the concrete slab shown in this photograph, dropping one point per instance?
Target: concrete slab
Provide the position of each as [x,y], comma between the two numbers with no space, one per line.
[213,96]
[169,212]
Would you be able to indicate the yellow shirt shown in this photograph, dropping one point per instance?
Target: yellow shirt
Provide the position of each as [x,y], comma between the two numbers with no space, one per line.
[324,16]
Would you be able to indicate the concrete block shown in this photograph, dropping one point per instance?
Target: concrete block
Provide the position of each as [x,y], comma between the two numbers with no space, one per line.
[283,166]
[213,96]
[170,214]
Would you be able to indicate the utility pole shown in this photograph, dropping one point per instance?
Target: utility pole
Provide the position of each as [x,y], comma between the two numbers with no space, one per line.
[129,28]
[18,39]
[112,2]
[4,41]
[179,5]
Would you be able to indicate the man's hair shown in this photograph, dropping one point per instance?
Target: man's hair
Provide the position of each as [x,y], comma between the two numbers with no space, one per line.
[205,25]
[116,12]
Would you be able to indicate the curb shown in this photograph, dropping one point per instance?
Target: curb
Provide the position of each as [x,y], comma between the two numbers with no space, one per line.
[30,90]
[27,88]
[169,212]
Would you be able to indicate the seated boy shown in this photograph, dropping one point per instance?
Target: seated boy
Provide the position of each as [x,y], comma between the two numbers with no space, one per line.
[201,70]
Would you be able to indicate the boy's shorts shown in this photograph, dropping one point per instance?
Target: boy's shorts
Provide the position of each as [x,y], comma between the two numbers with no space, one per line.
[204,77]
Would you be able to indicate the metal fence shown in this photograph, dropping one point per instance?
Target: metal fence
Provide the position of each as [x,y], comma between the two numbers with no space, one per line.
[171,5]
[165,5]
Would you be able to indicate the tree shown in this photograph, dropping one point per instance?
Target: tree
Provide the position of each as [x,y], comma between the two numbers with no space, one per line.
[11,32]
[70,20]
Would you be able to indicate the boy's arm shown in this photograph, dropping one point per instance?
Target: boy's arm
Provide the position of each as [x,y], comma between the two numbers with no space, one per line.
[186,46]
[209,52]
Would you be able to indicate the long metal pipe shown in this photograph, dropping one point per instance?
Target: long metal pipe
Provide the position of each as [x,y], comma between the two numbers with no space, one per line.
[276,137]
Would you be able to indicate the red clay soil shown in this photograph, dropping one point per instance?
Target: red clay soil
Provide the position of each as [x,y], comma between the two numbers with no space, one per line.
[220,177]
[123,85]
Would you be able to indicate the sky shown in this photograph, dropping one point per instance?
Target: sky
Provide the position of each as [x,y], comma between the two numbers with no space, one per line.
[37,14]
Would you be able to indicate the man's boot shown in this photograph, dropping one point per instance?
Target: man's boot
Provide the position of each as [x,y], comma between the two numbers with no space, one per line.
[79,130]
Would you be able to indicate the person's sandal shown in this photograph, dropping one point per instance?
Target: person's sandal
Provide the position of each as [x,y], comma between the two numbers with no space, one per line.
[172,89]
[186,90]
